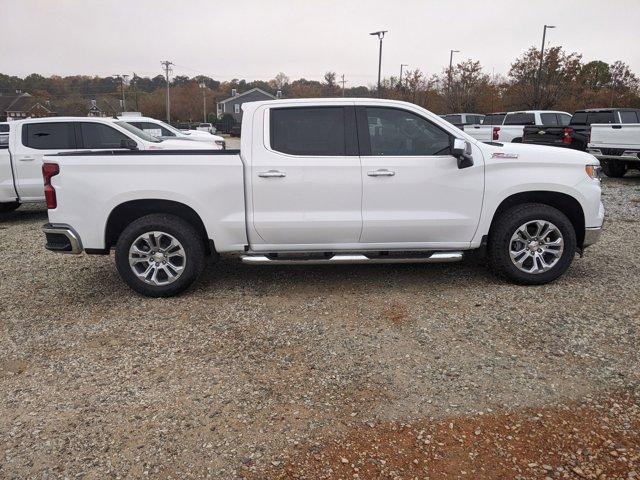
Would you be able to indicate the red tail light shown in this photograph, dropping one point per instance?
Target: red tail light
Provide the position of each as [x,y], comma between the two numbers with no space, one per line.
[496,133]
[50,170]
[567,135]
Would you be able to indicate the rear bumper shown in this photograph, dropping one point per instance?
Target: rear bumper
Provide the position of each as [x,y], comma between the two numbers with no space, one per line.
[62,238]
[626,156]
[591,236]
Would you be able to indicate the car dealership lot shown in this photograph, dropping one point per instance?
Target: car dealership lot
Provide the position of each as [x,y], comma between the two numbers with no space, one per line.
[259,371]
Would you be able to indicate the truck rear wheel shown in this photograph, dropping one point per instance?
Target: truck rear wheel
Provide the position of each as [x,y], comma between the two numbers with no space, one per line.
[160,255]
[531,244]
[614,169]
[8,207]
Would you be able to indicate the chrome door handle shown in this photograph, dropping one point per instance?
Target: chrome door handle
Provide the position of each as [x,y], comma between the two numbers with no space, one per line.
[382,172]
[272,174]
[27,159]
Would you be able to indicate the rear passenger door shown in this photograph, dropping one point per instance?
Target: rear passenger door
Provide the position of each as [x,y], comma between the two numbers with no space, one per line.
[305,179]
[37,140]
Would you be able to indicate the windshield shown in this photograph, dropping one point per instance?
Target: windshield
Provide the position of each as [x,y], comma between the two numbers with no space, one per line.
[137,132]
[170,128]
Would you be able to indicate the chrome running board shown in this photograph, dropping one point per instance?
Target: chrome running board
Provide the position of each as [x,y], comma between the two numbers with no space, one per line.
[351,258]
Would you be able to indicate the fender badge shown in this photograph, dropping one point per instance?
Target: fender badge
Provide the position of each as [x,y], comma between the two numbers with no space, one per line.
[504,155]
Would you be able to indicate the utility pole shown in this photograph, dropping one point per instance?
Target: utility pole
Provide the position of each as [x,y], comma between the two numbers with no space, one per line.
[204,102]
[123,80]
[343,81]
[539,79]
[402,65]
[380,35]
[167,69]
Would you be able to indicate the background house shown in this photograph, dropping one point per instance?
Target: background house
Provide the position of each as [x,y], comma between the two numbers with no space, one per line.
[22,105]
[233,104]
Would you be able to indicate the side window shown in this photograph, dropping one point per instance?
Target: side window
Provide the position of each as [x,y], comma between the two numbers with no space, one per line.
[564,119]
[49,136]
[155,130]
[396,132]
[97,135]
[236,108]
[312,131]
[549,119]
[629,117]
[454,119]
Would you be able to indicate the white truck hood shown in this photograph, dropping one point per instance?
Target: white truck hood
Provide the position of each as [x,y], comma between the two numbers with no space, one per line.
[201,136]
[537,154]
[185,144]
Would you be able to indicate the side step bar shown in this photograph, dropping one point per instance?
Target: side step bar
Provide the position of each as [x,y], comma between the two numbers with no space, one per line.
[351,258]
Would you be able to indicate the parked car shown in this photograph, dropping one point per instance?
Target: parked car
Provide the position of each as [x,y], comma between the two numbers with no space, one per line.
[313,185]
[164,131]
[236,131]
[576,134]
[617,145]
[461,119]
[509,126]
[206,127]
[29,140]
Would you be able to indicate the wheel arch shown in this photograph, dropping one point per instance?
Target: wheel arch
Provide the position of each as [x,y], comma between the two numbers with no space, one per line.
[564,202]
[126,212]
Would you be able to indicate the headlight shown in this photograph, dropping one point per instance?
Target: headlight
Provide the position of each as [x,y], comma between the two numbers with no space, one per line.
[593,171]
[221,144]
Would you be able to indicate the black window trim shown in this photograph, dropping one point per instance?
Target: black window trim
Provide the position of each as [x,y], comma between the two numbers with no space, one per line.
[350,133]
[364,139]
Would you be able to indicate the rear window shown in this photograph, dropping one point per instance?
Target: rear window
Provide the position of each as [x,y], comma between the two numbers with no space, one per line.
[493,119]
[312,131]
[4,128]
[474,119]
[629,117]
[564,119]
[455,119]
[49,136]
[587,118]
[520,119]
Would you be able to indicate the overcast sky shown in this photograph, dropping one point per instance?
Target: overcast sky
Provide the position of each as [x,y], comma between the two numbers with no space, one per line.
[256,39]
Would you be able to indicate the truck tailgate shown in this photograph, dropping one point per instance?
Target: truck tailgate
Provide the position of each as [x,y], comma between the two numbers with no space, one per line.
[615,135]
[543,135]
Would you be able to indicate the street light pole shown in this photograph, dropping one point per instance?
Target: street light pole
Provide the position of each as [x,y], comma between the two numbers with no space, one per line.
[401,67]
[451,52]
[380,35]
[539,79]
[204,102]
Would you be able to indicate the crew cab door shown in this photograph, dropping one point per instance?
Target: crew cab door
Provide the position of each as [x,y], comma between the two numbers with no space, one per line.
[414,194]
[305,178]
[34,141]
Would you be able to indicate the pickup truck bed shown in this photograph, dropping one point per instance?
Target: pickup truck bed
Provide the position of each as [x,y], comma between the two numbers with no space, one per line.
[617,146]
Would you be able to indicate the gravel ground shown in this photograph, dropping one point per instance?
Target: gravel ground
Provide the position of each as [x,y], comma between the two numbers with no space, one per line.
[321,372]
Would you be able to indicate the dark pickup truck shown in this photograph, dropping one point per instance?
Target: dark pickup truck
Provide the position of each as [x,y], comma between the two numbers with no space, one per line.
[576,134]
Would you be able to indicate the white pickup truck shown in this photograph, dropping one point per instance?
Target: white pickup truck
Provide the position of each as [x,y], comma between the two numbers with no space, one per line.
[509,126]
[164,131]
[29,140]
[617,146]
[326,181]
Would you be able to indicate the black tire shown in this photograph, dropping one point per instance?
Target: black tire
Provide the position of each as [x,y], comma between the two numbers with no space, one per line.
[499,242]
[8,207]
[614,169]
[516,140]
[192,244]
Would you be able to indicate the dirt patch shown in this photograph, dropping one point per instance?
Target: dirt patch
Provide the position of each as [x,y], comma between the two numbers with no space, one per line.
[589,440]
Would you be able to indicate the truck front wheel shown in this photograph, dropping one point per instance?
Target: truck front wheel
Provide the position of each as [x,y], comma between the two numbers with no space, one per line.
[160,255]
[531,244]
[614,169]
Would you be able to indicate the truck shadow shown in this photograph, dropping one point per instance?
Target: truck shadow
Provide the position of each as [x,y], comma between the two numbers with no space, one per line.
[24,214]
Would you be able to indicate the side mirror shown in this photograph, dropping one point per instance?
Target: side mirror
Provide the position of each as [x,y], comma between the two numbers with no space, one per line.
[129,144]
[461,149]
